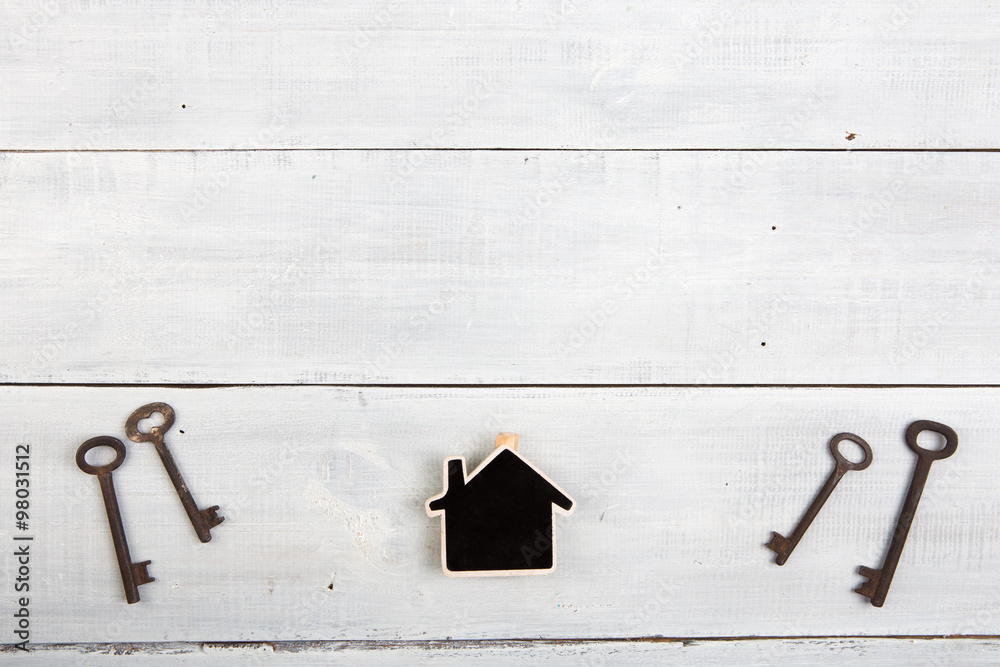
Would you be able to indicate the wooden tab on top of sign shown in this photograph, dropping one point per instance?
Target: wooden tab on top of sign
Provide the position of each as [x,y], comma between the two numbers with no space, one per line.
[511,440]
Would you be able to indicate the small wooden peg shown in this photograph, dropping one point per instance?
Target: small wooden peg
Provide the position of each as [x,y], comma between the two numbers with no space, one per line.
[511,440]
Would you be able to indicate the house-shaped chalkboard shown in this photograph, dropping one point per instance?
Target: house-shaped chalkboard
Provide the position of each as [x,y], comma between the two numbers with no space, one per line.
[498,520]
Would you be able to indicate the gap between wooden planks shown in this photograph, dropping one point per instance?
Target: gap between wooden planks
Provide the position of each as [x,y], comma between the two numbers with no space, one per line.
[869,651]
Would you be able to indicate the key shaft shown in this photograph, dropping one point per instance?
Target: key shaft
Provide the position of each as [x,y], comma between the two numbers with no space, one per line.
[125,565]
[201,526]
[899,535]
[783,546]
[202,520]
[877,586]
[133,574]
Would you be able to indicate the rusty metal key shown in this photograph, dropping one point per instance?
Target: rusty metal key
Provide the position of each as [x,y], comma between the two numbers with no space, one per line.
[877,586]
[133,574]
[202,520]
[783,546]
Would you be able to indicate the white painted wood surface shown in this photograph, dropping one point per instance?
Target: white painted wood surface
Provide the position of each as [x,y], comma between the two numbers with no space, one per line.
[527,74]
[719,653]
[677,489]
[164,264]
[500,267]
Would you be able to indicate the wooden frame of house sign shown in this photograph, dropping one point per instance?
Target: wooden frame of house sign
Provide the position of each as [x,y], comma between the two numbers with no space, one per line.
[500,520]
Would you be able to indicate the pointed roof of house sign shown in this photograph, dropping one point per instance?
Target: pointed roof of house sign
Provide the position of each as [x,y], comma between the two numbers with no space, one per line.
[498,520]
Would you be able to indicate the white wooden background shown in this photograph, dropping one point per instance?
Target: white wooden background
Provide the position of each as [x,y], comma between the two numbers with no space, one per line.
[312,267]
[513,73]
[415,225]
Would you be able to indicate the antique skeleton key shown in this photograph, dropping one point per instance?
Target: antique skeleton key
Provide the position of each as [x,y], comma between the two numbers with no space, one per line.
[877,586]
[133,574]
[783,546]
[202,520]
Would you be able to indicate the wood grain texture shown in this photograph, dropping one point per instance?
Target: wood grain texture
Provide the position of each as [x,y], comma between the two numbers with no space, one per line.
[326,537]
[385,265]
[500,267]
[868,652]
[524,74]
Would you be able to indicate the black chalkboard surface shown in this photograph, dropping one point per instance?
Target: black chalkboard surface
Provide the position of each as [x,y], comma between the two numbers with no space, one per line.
[499,520]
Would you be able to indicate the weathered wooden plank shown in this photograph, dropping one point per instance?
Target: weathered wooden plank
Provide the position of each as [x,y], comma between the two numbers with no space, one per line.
[873,652]
[533,74]
[677,491]
[500,267]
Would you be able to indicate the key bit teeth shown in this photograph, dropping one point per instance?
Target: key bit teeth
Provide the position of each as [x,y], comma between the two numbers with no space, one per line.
[868,588]
[211,518]
[779,545]
[140,574]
